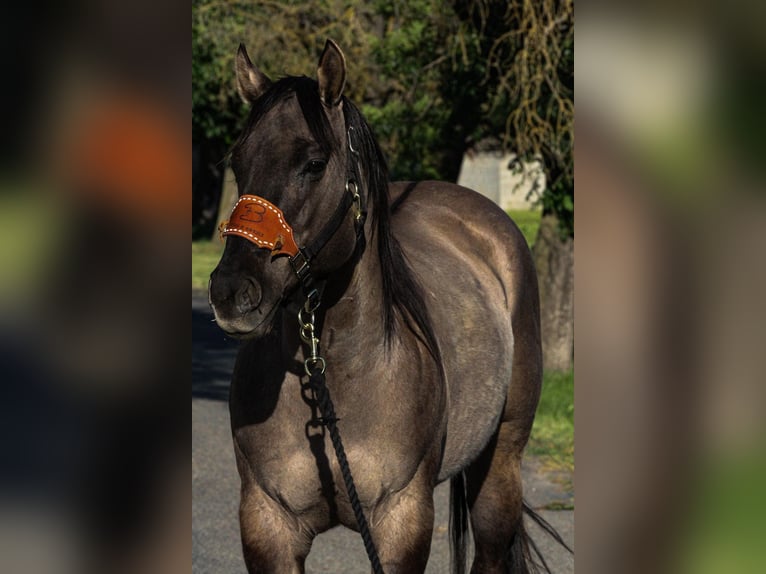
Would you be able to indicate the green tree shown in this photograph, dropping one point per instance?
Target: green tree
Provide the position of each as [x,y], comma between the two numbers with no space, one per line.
[411,110]
[216,111]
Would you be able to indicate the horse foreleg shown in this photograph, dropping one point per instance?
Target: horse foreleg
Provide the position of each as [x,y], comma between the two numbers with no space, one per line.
[495,502]
[272,540]
[402,527]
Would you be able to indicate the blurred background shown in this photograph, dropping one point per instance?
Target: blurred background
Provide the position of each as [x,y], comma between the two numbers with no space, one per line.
[670,277]
[94,177]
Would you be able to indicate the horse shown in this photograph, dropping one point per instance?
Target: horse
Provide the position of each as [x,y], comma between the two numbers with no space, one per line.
[428,327]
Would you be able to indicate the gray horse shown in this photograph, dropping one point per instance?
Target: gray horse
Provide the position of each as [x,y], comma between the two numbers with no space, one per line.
[429,327]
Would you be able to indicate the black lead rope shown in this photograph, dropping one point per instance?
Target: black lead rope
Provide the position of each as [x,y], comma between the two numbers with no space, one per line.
[315,367]
[315,364]
[329,420]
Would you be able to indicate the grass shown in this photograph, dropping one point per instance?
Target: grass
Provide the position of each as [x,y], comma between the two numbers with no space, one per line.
[528,221]
[205,256]
[553,431]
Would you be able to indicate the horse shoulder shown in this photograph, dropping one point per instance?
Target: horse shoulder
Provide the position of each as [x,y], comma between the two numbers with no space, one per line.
[455,229]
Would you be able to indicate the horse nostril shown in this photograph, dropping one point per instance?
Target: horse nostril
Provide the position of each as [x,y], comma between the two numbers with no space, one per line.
[248,297]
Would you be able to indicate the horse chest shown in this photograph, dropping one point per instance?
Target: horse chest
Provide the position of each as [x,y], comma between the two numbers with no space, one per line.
[304,476]
[290,457]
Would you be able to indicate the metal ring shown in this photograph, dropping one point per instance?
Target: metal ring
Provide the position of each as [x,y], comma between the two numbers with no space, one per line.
[314,362]
[349,183]
[351,132]
[302,321]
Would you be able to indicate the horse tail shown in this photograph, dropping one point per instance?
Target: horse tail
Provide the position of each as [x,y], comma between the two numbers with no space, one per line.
[458,521]
[525,557]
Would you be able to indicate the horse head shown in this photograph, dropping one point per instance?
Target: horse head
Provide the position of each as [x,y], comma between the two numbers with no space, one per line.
[295,170]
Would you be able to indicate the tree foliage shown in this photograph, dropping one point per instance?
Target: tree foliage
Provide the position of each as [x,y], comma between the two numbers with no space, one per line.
[282,37]
[528,50]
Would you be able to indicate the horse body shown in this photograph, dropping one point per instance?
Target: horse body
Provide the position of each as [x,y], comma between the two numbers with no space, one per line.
[411,415]
[475,267]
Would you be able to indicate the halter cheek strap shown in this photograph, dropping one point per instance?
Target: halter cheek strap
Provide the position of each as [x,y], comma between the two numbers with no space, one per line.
[301,261]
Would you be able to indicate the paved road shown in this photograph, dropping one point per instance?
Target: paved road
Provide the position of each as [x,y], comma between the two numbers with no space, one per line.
[215,484]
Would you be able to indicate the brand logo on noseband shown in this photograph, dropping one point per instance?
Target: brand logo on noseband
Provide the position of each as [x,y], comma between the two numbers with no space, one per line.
[253,212]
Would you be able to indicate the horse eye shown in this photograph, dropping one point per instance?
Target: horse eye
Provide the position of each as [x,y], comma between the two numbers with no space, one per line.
[316,166]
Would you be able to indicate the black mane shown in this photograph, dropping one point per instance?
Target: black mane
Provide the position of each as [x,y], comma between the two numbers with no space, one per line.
[402,293]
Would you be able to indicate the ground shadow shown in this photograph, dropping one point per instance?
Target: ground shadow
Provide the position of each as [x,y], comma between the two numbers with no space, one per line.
[213,355]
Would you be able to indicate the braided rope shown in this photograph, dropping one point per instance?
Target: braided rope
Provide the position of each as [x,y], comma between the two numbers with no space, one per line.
[329,420]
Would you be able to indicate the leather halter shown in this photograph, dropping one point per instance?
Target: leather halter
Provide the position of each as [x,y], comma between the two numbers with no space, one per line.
[263,223]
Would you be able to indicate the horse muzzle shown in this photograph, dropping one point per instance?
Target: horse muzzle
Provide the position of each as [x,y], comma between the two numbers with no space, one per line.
[237,305]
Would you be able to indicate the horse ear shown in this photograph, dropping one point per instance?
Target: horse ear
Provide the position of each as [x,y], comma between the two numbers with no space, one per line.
[251,82]
[331,74]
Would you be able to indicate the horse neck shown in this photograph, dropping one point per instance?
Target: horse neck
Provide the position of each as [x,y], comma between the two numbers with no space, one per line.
[355,314]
